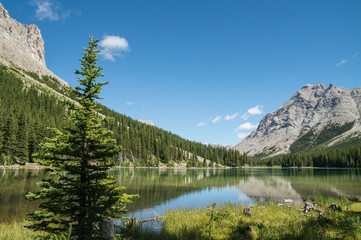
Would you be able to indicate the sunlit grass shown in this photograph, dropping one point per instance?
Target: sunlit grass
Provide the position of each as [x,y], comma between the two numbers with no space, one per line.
[267,221]
[14,231]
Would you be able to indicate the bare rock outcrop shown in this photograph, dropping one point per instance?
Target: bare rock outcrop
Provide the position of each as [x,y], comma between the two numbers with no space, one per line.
[313,107]
[147,122]
[22,45]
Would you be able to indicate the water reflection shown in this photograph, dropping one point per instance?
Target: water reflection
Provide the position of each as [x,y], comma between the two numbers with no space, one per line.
[270,189]
[14,183]
[161,189]
[198,199]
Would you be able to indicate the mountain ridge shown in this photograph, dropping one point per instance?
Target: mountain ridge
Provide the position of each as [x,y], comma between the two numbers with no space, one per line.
[22,46]
[312,108]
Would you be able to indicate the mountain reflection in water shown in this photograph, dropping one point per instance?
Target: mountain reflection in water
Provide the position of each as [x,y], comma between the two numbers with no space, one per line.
[270,189]
[162,189]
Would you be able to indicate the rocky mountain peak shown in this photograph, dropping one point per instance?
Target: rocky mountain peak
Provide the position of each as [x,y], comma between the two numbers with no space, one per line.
[311,89]
[22,45]
[313,107]
[3,12]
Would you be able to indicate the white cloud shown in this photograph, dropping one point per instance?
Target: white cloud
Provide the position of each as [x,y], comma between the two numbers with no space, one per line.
[355,55]
[48,9]
[115,42]
[130,103]
[113,46]
[217,119]
[246,126]
[201,124]
[242,135]
[257,110]
[230,117]
[340,63]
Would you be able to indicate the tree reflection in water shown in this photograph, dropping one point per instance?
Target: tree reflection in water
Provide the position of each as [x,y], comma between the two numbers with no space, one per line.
[160,189]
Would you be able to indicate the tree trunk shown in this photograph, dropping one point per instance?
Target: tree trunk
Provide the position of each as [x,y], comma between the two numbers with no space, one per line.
[107,228]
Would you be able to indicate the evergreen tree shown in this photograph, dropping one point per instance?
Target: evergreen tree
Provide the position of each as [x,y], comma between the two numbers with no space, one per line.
[27,109]
[79,156]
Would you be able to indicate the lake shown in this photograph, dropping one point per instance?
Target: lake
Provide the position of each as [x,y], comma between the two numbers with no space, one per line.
[162,189]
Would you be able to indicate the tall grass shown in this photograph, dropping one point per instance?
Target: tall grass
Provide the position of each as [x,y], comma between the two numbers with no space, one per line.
[266,222]
[14,231]
[229,222]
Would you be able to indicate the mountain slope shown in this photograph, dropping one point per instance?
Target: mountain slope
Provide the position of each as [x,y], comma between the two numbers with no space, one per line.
[29,103]
[22,45]
[315,117]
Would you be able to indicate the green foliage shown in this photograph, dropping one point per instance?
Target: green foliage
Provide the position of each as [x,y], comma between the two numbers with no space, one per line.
[79,156]
[331,131]
[309,150]
[141,141]
[266,222]
[216,216]
[349,157]
[33,108]
[310,140]
[49,81]
[303,143]
[25,112]
[14,231]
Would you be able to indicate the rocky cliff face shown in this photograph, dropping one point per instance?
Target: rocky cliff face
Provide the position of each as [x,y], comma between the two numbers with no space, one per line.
[22,45]
[312,108]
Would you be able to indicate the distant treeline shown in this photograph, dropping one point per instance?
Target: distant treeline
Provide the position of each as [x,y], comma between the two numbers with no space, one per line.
[26,111]
[343,157]
[149,145]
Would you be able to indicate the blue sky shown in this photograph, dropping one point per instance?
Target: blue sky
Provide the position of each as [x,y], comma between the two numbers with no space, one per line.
[205,70]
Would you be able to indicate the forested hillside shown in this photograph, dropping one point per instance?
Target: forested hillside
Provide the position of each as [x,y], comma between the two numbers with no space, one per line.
[342,157]
[28,108]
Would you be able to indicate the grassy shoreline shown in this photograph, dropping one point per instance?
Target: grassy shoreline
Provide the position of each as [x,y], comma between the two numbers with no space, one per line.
[267,221]
[14,230]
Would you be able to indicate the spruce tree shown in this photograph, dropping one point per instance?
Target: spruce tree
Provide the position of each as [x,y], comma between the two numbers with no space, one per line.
[82,194]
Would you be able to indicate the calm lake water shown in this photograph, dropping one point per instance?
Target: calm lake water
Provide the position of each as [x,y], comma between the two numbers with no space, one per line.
[162,189]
